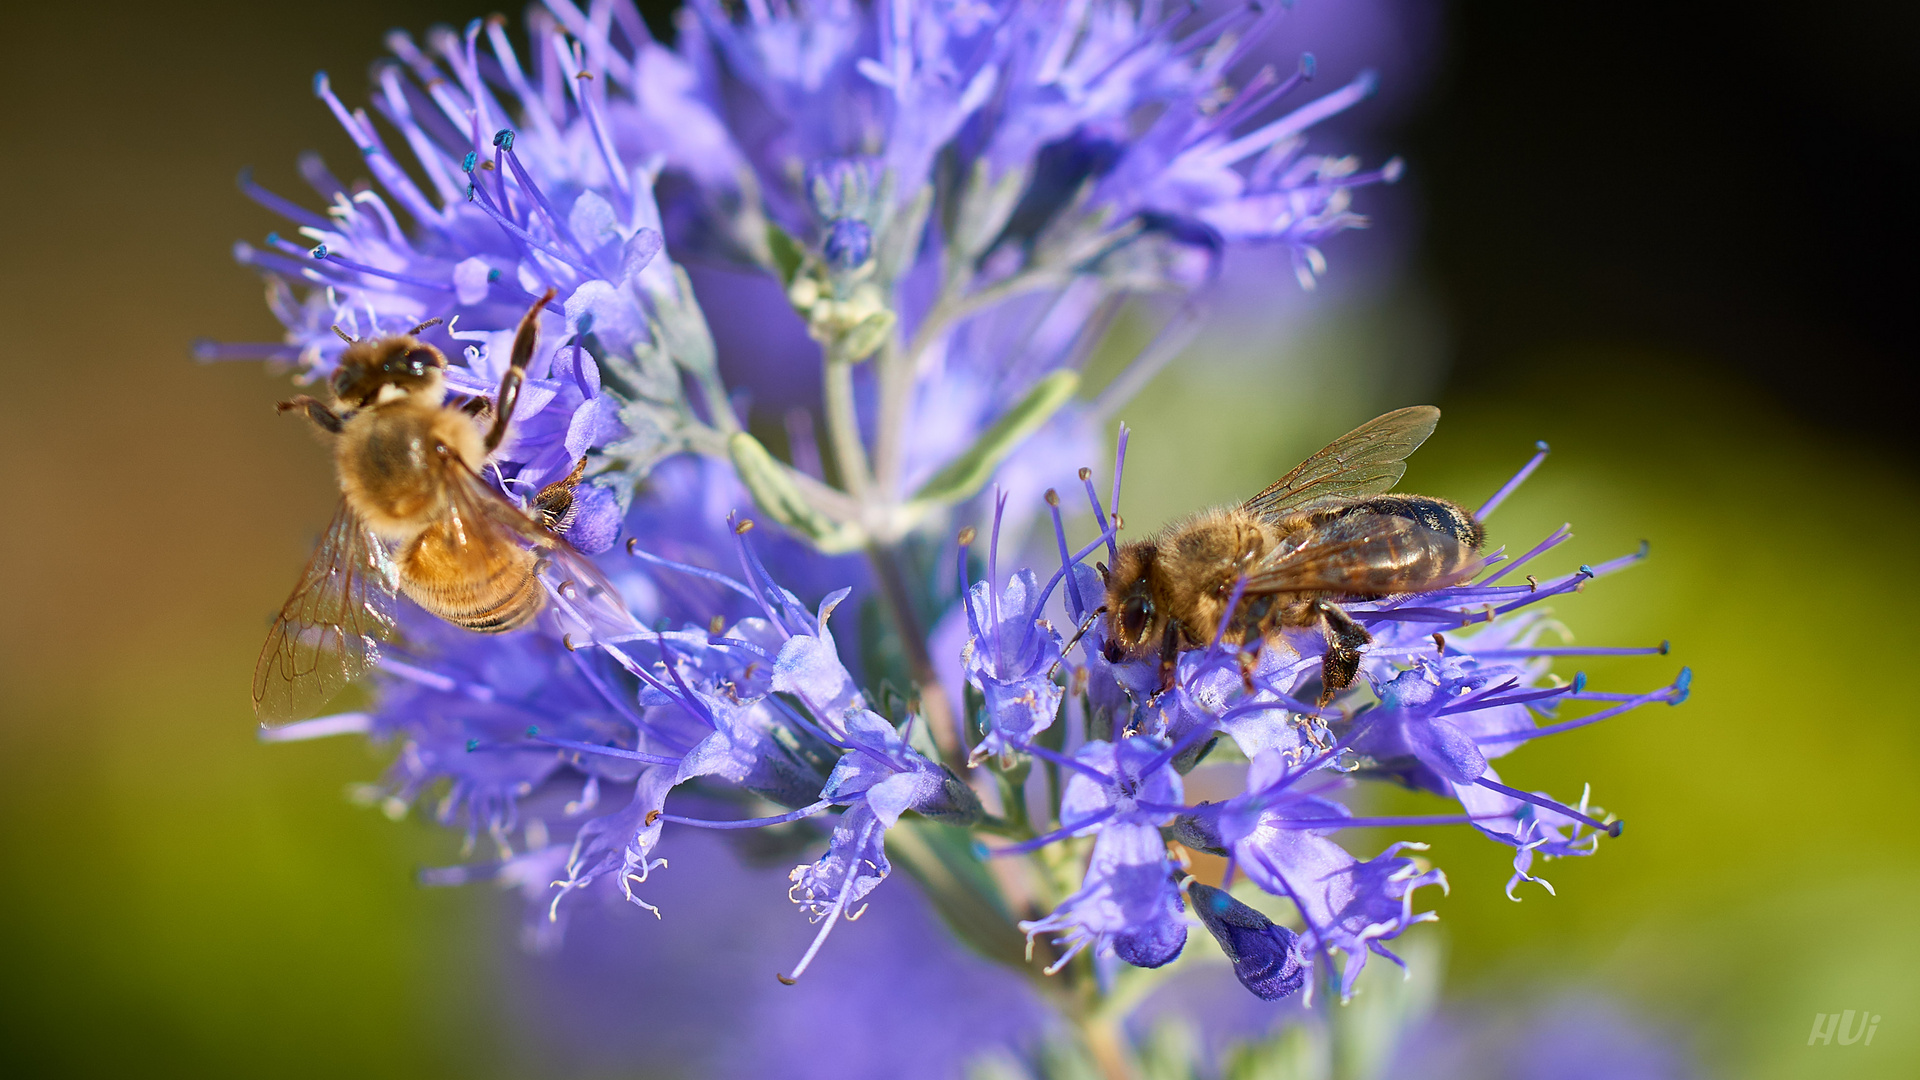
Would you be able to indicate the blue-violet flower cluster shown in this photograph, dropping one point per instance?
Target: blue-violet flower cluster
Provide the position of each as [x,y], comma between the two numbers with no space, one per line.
[953,198]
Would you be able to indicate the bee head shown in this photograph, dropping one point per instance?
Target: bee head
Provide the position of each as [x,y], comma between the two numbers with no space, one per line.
[378,370]
[1131,614]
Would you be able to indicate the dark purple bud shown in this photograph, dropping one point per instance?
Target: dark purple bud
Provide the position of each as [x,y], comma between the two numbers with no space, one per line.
[1265,956]
[1059,170]
[849,242]
[1201,832]
[1189,231]
[955,803]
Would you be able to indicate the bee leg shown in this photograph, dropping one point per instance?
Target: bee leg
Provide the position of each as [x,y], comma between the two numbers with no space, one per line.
[316,410]
[553,507]
[509,395]
[1345,639]
[1169,653]
[1249,659]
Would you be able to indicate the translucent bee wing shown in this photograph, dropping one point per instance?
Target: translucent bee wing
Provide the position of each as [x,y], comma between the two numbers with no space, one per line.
[587,592]
[329,631]
[1368,460]
[1364,555]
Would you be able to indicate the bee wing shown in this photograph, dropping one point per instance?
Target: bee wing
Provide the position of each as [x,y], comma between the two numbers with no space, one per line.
[329,631]
[592,595]
[1364,555]
[1368,460]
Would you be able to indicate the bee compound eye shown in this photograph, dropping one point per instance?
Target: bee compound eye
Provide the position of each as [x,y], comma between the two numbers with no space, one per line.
[420,360]
[342,380]
[1134,615]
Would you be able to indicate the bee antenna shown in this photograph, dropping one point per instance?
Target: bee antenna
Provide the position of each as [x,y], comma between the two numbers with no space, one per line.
[344,336]
[1085,625]
[435,321]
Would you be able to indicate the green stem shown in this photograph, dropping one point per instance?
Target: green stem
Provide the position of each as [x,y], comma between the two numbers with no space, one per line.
[934,706]
[843,428]
[895,370]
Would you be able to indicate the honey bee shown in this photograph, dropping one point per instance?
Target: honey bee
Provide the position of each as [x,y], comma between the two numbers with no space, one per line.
[1322,533]
[415,517]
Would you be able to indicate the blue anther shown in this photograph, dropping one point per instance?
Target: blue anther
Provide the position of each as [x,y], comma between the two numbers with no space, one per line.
[1585,570]
[320,84]
[1541,446]
[319,251]
[1682,686]
[1665,646]
[467,163]
[273,238]
[503,138]
[532,730]
[472,745]
[1579,681]
[1307,65]
[493,275]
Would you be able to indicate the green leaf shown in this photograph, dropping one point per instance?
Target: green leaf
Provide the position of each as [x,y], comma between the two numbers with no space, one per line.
[969,472]
[781,499]
[787,255]
[865,338]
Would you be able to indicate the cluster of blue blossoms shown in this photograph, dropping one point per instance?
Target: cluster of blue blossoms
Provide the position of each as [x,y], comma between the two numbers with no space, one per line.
[952,198]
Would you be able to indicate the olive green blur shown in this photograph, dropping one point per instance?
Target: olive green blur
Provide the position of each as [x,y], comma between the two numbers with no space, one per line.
[178,899]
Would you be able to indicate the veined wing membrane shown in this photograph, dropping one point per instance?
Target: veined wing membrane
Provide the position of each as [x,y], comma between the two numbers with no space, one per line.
[329,631]
[1368,460]
[1365,555]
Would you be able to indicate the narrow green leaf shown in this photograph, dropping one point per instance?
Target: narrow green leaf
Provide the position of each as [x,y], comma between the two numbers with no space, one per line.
[970,471]
[786,254]
[778,497]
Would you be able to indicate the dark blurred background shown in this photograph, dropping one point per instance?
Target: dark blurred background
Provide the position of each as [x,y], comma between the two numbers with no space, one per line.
[1672,240]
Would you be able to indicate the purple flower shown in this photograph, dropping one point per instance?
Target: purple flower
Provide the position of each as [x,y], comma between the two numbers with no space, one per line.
[1129,903]
[880,777]
[1010,659]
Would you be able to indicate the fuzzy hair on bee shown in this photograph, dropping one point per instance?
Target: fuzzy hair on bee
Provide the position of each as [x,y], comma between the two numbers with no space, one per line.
[415,518]
[1325,532]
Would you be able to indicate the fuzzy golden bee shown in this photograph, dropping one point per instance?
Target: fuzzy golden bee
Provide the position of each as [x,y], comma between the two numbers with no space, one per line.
[415,518]
[1325,532]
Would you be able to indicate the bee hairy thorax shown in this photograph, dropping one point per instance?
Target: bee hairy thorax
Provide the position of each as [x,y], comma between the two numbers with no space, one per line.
[392,468]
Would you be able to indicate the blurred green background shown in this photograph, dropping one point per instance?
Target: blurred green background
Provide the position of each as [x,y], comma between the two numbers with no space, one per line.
[178,898]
